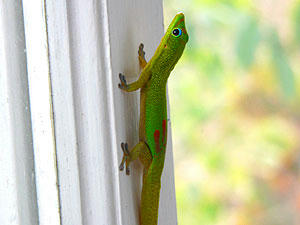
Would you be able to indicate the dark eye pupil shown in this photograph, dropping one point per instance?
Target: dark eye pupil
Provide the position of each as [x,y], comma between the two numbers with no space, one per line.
[176,32]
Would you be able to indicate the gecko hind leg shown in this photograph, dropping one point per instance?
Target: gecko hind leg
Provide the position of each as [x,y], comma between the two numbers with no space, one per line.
[140,151]
[141,53]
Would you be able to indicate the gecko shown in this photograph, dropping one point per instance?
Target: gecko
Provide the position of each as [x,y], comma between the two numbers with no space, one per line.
[151,148]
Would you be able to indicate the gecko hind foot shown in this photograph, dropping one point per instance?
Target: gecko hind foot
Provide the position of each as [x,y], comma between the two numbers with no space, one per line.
[126,155]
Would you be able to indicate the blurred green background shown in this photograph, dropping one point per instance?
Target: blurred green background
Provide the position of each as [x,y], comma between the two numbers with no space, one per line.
[235,112]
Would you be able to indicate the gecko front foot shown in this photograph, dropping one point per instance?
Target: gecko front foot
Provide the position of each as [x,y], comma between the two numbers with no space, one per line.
[125,160]
[123,85]
[141,57]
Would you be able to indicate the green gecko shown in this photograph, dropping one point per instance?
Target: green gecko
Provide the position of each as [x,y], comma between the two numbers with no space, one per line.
[151,148]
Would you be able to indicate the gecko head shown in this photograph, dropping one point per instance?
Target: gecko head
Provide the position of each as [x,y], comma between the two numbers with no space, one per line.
[177,28]
[176,36]
[176,31]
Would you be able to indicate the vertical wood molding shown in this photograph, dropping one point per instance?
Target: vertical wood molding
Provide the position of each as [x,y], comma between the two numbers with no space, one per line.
[18,203]
[41,111]
[64,112]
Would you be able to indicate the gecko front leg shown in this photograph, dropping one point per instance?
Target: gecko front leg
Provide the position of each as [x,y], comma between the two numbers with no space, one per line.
[144,76]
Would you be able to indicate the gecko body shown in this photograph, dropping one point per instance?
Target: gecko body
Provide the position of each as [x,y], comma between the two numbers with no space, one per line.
[151,148]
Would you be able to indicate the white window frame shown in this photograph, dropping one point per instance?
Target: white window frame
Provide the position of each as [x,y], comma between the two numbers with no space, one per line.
[75,51]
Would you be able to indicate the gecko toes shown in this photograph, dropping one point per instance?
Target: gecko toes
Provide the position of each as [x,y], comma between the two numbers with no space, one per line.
[141,50]
[121,167]
[127,171]
[124,147]
[126,155]
[141,47]
[123,84]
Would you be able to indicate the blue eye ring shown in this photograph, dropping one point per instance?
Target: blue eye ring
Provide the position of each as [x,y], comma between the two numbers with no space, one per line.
[177,32]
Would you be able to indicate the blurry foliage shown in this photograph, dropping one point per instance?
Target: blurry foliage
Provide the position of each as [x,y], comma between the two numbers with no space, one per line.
[235,114]
[247,42]
[296,21]
[283,71]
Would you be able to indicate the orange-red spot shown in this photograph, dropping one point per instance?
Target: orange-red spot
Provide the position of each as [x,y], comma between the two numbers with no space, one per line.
[157,137]
[156,140]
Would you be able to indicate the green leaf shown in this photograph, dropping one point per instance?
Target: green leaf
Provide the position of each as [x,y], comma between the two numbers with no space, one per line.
[283,70]
[296,22]
[247,41]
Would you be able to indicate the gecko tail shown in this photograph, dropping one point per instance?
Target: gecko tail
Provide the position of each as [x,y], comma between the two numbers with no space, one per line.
[151,192]
[150,202]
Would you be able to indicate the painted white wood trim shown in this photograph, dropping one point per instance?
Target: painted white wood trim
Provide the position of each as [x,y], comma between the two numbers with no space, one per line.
[90,42]
[86,96]
[64,112]
[17,185]
[41,111]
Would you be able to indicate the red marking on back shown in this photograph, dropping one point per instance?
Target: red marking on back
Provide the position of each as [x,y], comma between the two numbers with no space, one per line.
[157,137]
[156,140]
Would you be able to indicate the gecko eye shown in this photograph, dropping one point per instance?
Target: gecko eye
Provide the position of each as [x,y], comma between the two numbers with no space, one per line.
[177,32]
